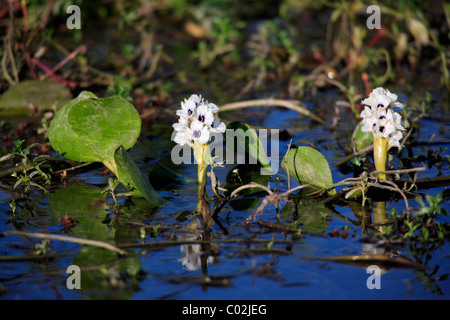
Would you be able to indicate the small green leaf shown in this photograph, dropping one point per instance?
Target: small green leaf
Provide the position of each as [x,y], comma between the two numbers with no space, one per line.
[308,166]
[17,183]
[362,139]
[130,175]
[31,175]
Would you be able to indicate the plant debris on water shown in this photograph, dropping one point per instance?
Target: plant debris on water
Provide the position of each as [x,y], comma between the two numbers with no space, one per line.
[224,150]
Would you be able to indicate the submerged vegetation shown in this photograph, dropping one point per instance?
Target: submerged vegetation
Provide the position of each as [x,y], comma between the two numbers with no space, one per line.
[91,118]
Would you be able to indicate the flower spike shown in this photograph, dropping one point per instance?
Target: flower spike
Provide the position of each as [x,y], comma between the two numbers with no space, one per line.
[384,123]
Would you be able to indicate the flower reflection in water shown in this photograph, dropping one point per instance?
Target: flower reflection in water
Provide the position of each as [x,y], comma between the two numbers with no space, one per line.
[194,253]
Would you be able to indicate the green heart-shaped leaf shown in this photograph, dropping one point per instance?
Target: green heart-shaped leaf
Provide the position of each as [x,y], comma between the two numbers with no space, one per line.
[91,129]
[100,130]
[63,139]
[308,166]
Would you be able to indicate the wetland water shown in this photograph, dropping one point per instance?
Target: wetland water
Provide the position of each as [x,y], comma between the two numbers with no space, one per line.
[237,263]
[281,254]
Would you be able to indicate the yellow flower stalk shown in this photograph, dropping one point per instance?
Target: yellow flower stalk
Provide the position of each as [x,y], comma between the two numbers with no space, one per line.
[202,166]
[380,151]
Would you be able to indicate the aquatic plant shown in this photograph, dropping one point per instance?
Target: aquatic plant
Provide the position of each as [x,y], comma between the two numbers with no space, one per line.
[31,168]
[196,123]
[258,60]
[89,129]
[385,124]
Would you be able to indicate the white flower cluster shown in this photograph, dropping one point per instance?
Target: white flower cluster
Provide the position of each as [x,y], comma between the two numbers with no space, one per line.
[196,121]
[378,117]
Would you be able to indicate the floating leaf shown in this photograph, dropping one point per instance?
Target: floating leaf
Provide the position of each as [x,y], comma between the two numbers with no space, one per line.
[44,95]
[62,137]
[308,166]
[130,175]
[91,129]
[100,130]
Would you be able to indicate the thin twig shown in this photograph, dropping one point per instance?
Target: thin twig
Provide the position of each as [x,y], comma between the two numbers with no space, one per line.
[8,55]
[394,188]
[250,186]
[26,258]
[289,104]
[5,68]
[47,70]
[279,227]
[8,172]
[5,157]
[11,41]
[166,243]
[348,181]
[80,50]
[74,167]
[296,188]
[430,182]
[354,181]
[260,208]
[273,197]
[335,196]
[47,13]
[67,239]
[399,171]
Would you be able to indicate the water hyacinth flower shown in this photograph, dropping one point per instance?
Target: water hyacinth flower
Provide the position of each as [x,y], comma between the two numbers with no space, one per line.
[196,123]
[384,123]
